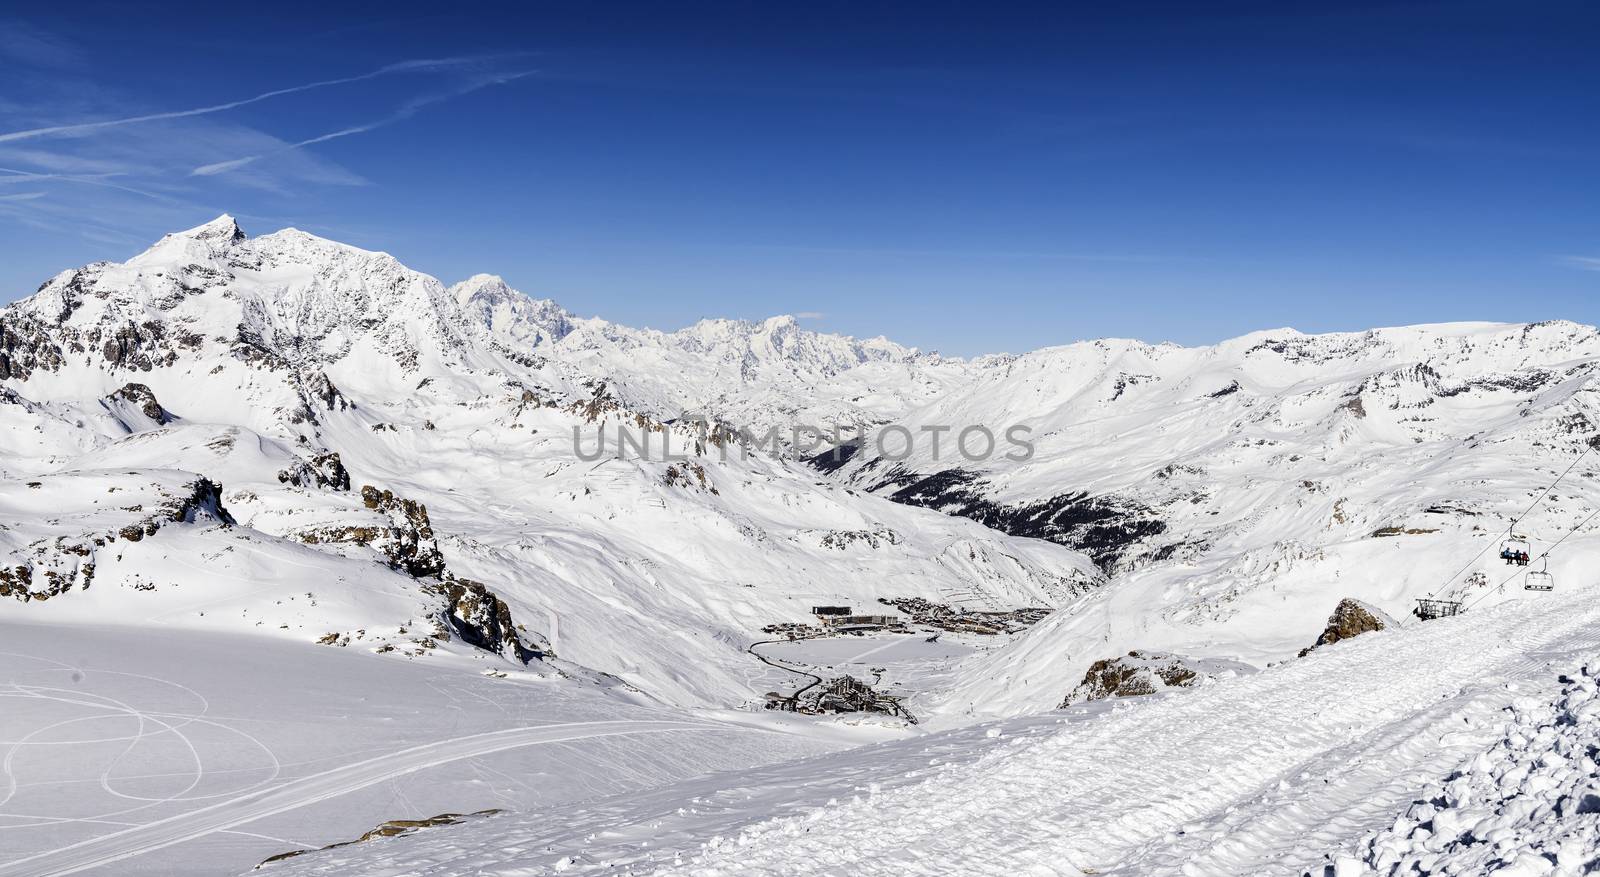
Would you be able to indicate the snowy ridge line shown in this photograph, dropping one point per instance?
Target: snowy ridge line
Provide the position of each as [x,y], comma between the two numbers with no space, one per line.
[138,840]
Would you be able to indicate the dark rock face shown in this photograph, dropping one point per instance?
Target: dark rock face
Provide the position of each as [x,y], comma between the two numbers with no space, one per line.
[318,394]
[322,390]
[481,619]
[406,543]
[1132,675]
[691,476]
[392,828]
[323,471]
[25,346]
[1105,528]
[1350,618]
[142,398]
[135,346]
[468,609]
[409,543]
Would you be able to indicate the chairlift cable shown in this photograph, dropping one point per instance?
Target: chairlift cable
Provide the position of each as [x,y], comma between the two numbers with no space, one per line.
[1511,528]
[1543,558]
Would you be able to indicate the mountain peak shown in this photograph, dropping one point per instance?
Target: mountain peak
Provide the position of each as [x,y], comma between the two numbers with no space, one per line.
[484,287]
[199,245]
[223,228]
[510,314]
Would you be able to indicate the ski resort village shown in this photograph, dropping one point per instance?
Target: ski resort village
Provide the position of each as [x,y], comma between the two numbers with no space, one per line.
[713,439]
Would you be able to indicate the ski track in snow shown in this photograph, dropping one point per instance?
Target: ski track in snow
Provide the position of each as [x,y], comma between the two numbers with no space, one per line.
[116,846]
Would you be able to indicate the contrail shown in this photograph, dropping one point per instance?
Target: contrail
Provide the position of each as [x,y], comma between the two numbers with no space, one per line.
[400,67]
[405,112]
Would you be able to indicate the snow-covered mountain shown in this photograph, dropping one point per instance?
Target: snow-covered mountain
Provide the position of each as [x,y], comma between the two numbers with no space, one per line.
[283,442]
[1235,493]
[352,408]
[1220,488]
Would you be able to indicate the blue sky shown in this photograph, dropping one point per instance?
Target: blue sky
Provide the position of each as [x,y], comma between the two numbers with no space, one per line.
[963,177]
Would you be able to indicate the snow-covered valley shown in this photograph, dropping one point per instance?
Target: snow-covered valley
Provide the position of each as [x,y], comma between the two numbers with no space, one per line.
[298,541]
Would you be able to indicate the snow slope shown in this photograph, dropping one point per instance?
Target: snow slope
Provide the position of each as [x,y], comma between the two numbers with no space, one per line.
[263,357]
[1236,493]
[1273,773]
[288,446]
[129,750]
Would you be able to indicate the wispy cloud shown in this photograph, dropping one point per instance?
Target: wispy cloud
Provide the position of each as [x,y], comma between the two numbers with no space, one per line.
[406,111]
[1583,263]
[386,70]
[84,161]
[810,315]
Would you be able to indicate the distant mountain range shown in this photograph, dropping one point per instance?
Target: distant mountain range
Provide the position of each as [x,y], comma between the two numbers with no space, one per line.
[287,436]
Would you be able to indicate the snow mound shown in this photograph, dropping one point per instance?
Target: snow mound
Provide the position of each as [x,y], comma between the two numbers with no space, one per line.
[1529,805]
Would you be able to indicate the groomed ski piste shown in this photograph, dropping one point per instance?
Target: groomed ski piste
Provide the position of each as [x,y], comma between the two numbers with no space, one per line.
[1315,766]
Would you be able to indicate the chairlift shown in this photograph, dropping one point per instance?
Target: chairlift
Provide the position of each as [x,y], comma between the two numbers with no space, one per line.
[1514,549]
[1540,579]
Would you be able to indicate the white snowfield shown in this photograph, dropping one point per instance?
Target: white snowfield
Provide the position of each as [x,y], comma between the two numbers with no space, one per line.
[132,752]
[1282,772]
[116,846]
[341,498]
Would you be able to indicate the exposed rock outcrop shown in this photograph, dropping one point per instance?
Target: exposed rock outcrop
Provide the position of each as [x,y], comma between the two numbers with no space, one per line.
[392,828]
[140,398]
[468,610]
[25,346]
[1132,675]
[1349,619]
[1139,673]
[323,471]
[50,567]
[690,476]
[481,619]
[412,547]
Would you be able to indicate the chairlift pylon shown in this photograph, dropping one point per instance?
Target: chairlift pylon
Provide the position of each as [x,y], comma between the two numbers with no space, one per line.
[1428,609]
